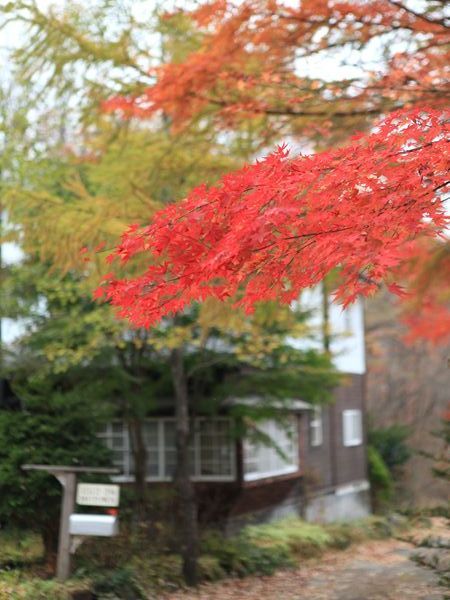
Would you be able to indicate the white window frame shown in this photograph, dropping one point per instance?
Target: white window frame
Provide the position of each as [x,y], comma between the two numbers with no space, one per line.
[127,476]
[269,451]
[107,435]
[316,427]
[352,427]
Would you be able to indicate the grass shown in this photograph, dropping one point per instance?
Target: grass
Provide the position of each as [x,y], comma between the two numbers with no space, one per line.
[14,586]
[134,562]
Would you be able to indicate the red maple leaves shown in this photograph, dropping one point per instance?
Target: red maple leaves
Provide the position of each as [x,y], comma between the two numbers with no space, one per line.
[252,55]
[271,229]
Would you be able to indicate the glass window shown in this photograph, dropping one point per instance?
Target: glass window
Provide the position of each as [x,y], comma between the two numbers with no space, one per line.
[212,450]
[151,440]
[276,453]
[168,448]
[115,436]
[352,427]
[316,427]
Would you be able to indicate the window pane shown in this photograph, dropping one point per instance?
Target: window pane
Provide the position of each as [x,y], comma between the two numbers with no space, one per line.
[169,433]
[117,456]
[117,442]
[170,462]
[352,427]
[117,427]
[278,457]
[151,434]
[211,452]
[316,427]
[215,448]
[153,463]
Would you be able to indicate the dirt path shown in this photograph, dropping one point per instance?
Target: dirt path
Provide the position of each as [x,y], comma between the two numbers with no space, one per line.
[380,570]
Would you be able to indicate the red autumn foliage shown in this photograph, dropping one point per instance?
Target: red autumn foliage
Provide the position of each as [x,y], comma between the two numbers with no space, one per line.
[426,310]
[250,62]
[271,229]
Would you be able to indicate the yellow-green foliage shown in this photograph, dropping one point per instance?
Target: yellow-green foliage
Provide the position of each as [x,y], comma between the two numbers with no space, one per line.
[19,547]
[13,586]
[293,534]
[310,539]
[83,188]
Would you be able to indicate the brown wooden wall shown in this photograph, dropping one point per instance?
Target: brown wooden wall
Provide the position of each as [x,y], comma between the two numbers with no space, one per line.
[333,464]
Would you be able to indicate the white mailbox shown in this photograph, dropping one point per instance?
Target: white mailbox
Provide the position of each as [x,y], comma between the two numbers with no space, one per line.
[104,525]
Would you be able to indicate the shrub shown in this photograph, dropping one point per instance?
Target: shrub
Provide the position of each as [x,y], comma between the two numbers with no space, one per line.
[119,584]
[294,535]
[344,534]
[18,548]
[390,442]
[157,571]
[381,481]
[240,556]
[210,568]
[56,429]
[375,528]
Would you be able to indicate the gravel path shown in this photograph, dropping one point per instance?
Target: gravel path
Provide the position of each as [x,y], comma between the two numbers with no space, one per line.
[380,570]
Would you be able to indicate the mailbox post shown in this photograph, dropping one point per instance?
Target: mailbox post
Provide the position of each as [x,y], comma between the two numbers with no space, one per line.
[67,477]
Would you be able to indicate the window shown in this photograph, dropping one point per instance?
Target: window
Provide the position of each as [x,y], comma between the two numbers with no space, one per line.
[212,450]
[212,443]
[352,427]
[115,436]
[264,460]
[316,427]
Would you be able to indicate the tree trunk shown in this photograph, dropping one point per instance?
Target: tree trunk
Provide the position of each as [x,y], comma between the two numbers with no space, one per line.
[187,504]
[140,464]
[49,534]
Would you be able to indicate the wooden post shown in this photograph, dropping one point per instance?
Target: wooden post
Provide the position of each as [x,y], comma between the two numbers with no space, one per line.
[68,482]
[67,477]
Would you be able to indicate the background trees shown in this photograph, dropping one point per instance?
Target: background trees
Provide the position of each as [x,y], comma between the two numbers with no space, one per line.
[128,118]
[84,177]
[57,425]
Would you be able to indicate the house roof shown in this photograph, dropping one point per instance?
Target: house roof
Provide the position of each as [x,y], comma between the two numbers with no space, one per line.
[290,404]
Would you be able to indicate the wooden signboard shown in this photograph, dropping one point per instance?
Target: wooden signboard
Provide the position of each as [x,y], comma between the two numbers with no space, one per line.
[98,494]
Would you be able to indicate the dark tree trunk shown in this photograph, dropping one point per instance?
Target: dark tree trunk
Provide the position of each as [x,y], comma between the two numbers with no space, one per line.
[49,533]
[135,428]
[187,504]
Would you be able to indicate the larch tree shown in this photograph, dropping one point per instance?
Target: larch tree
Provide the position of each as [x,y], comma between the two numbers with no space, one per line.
[89,175]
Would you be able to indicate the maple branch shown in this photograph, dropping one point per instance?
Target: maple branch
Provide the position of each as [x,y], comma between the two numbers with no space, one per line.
[316,233]
[293,112]
[369,280]
[443,22]
[443,185]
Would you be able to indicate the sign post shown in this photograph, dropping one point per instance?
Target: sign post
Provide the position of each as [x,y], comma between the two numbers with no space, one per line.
[67,477]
